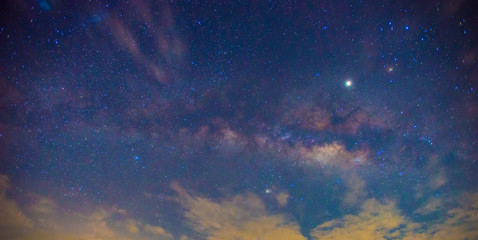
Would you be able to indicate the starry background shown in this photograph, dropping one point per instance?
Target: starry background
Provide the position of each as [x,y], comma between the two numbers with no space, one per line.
[238,119]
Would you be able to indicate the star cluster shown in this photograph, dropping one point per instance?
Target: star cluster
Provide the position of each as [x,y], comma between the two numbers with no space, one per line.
[238,120]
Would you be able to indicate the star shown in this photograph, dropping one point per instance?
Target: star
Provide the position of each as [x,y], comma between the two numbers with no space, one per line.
[288,115]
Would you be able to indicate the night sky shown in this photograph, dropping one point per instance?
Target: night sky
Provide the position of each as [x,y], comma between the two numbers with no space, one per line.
[233,120]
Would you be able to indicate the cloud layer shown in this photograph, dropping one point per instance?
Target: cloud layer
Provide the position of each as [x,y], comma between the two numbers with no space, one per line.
[243,216]
[45,219]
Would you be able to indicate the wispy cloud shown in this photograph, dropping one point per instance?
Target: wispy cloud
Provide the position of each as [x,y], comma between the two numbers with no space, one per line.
[45,219]
[243,216]
[239,217]
[379,220]
[375,221]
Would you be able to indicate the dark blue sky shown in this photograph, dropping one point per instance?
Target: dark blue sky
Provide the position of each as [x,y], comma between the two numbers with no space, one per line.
[238,120]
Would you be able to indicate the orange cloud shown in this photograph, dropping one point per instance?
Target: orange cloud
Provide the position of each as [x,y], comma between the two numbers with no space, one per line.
[384,221]
[241,217]
[461,221]
[44,219]
[12,219]
[375,221]
[282,198]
